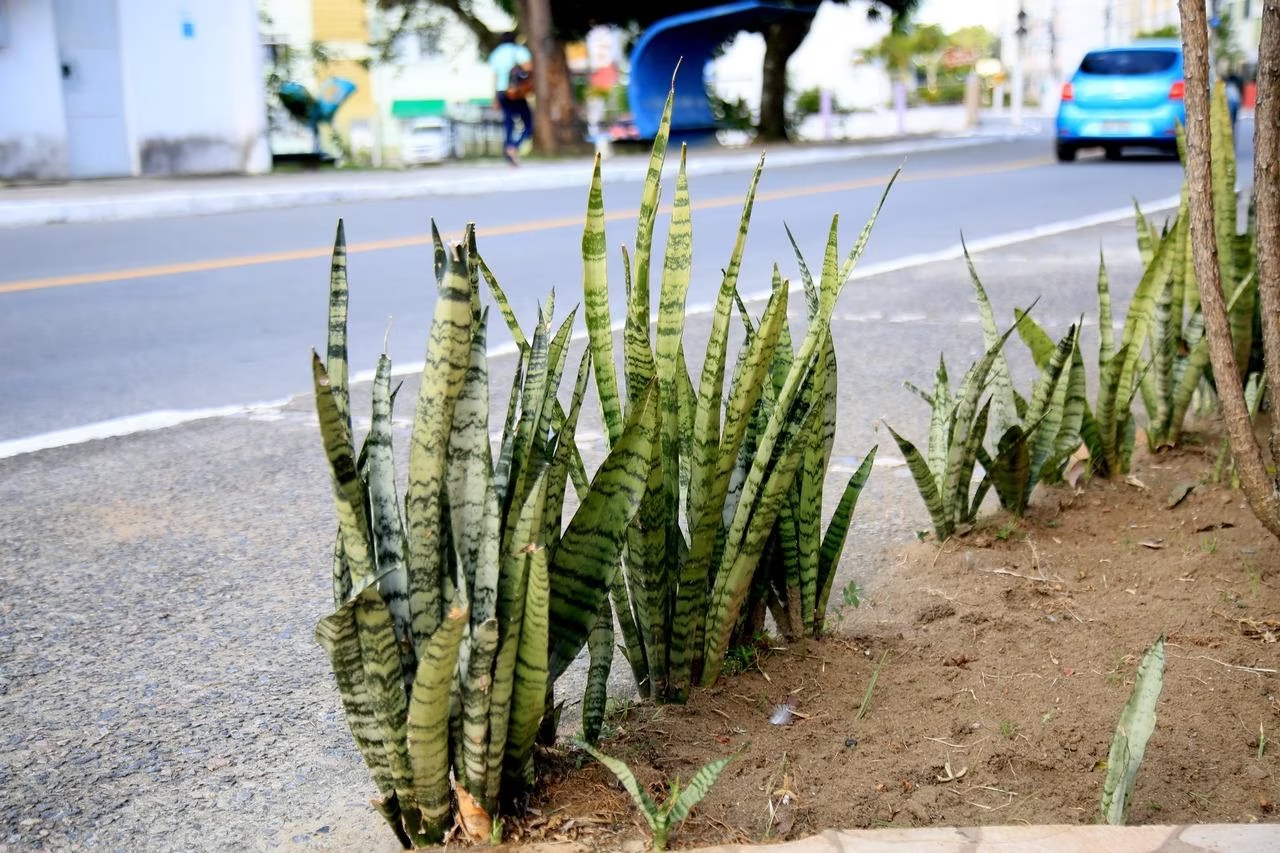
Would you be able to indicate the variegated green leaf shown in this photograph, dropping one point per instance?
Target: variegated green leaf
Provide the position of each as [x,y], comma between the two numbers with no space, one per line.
[585,562]
[837,531]
[764,494]
[596,694]
[384,509]
[1137,722]
[444,370]
[595,301]
[1004,413]
[473,501]
[428,723]
[348,491]
[335,364]
[529,686]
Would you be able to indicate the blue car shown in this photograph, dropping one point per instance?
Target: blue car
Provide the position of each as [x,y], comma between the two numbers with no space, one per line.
[1126,96]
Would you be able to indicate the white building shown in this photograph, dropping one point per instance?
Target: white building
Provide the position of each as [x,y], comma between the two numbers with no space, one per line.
[104,88]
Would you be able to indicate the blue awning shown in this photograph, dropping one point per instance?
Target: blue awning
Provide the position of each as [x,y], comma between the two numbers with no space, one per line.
[690,39]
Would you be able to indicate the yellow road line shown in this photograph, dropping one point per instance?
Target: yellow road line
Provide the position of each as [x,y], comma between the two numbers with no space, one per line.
[215,264]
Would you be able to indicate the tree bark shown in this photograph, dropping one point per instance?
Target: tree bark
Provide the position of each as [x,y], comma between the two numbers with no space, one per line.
[1258,487]
[555,115]
[781,40]
[1266,188]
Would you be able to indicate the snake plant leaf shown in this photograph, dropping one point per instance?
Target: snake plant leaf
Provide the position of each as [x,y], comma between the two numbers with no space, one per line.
[1034,336]
[697,788]
[806,277]
[960,458]
[1137,722]
[830,264]
[1106,329]
[439,256]
[1059,414]
[714,468]
[341,572]
[529,686]
[1146,235]
[941,418]
[428,738]
[649,809]
[339,634]
[384,510]
[1010,471]
[348,490]
[585,561]
[687,408]
[764,494]
[1004,414]
[472,255]
[562,457]
[837,532]
[443,373]
[475,683]
[524,457]
[970,450]
[650,552]
[706,427]
[855,254]
[926,485]
[336,353]
[595,301]
[676,273]
[633,648]
[595,697]
[557,357]
[473,501]
[506,450]
[649,199]
[637,347]
[513,588]
[504,305]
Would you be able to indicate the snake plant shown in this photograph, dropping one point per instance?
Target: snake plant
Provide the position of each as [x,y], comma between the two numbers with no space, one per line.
[1177,342]
[943,473]
[663,817]
[709,509]
[1137,722]
[446,616]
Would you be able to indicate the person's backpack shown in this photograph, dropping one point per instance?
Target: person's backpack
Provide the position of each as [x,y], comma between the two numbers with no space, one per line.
[519,83]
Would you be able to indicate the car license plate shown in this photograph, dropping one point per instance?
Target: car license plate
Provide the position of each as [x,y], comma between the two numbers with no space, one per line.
[1116,127]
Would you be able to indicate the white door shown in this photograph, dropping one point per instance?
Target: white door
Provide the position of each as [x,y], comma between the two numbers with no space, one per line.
[92,88]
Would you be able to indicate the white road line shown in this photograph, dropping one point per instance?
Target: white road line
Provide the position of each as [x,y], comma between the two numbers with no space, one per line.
[164,419]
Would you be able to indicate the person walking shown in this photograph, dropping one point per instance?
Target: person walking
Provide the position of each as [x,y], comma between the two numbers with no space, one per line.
[512,66]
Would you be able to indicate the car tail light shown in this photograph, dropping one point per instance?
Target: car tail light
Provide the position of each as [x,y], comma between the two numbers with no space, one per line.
[1176,90]
[1068,94]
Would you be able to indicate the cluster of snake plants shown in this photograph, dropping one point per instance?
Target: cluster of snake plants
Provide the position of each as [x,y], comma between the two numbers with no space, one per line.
[734,473]
[446,615]
[1034,438]
[1178,348]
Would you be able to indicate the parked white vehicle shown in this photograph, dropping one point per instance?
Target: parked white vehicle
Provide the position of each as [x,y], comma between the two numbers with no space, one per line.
[427,140]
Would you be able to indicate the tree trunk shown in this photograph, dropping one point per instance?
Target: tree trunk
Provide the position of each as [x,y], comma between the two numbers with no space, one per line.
[1258,487]
[781,40]
[1266,188]
[555,116]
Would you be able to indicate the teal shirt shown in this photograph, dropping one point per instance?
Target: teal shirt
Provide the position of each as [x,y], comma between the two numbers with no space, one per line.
[503,59]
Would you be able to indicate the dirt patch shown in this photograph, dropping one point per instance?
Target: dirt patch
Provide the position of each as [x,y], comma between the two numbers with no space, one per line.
[1008,655]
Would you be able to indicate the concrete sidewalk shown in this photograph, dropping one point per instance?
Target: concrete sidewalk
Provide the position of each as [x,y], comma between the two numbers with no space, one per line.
[144,198]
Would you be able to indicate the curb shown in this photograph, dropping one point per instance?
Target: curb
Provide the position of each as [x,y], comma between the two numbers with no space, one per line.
[274,193]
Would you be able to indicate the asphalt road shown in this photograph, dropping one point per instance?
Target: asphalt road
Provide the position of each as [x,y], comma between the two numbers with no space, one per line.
[197,312]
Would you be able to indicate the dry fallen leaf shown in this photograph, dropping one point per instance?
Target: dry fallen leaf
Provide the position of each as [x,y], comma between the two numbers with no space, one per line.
[1131,480]
[1179,494]
[475,821]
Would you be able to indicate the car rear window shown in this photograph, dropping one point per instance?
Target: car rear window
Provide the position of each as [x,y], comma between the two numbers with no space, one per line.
[1111,62]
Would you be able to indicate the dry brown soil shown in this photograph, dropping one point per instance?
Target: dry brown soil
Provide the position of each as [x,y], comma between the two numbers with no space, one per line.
[1009,654]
